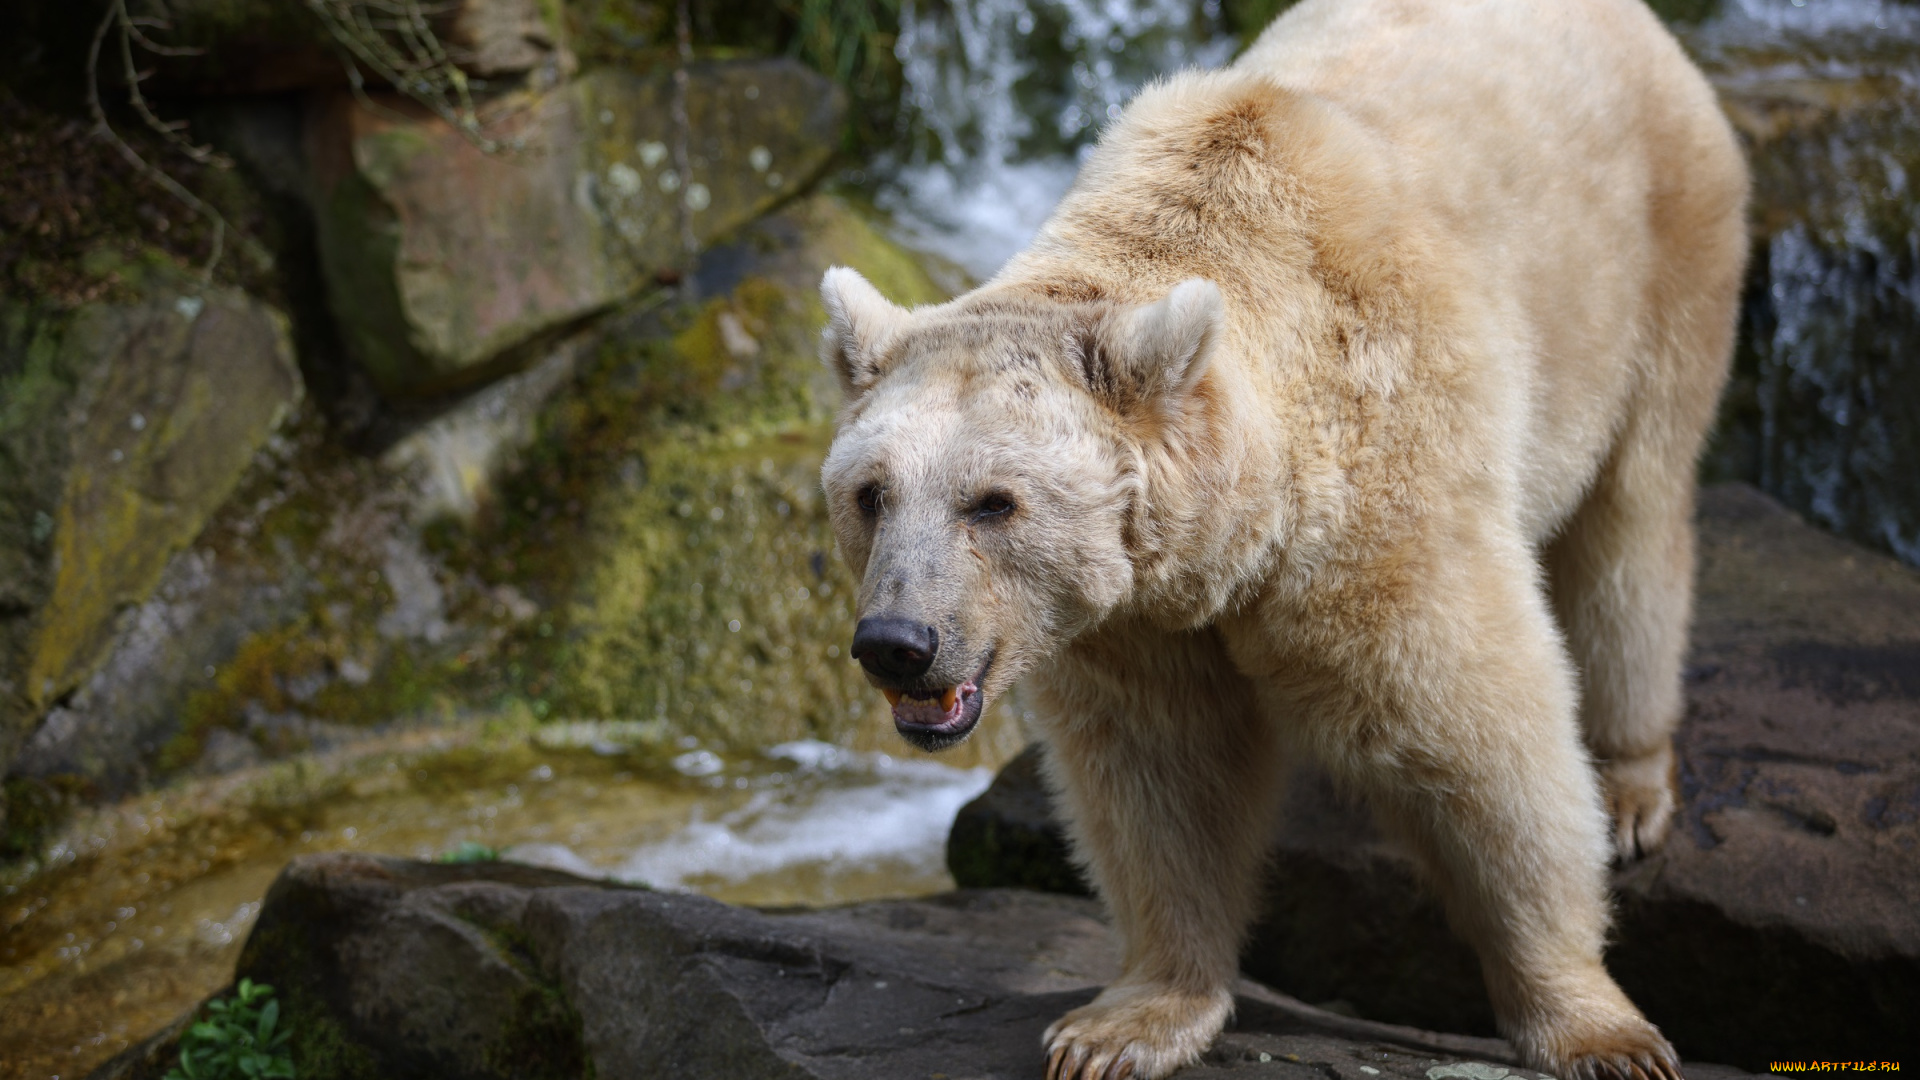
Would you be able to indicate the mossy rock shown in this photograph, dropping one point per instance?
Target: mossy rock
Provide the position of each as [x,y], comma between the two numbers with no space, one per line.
[709,592]
[123,426]
[446,263]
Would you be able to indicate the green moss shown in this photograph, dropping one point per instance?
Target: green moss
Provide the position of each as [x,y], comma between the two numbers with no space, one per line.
[710,595]
[719,603]
[674,494]
[849,41]
[402,682]
[322,1048]
[32,808]
[542,1040]
[253,675]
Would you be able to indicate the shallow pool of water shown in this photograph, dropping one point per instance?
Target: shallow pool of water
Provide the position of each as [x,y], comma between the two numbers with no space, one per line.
[144,914]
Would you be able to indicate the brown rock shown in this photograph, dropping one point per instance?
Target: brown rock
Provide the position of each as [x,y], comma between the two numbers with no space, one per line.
[440,258]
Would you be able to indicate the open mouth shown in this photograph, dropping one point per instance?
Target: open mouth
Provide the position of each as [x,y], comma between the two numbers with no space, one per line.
[937,720]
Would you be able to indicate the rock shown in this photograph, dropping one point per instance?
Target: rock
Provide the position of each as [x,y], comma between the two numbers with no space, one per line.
[1008,837]
[440,259]
[391,967]
[454,460]
[705,590]
[523,551]
[1824,409]
[1783,919]
[123,426]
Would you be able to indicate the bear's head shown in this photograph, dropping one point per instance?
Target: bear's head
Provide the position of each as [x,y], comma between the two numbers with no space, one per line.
[985,482]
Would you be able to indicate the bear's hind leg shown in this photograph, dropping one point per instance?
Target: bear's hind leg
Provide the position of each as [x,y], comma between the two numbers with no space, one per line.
[1166,775]
[1622,581]
[1449,704]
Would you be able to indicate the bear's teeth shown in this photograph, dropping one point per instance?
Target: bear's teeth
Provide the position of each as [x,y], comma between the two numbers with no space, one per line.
[946,699]
[893,696]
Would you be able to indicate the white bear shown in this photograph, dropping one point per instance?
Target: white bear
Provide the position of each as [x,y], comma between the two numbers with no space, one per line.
[1347,406]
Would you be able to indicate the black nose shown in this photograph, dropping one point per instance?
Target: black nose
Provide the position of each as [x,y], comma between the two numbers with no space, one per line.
[896,649]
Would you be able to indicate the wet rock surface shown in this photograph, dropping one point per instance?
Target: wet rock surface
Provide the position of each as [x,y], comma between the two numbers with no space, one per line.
[439,257]
[1782,921]
[391,967]
[1824,408]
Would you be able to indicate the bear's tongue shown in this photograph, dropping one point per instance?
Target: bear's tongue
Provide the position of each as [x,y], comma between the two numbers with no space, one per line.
[925,712]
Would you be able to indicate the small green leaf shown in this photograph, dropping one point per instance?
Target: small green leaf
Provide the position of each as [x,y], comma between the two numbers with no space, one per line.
[241,1038]
[269,1015]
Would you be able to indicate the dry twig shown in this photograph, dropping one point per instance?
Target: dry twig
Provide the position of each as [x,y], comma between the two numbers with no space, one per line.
[131,32]
[395,40]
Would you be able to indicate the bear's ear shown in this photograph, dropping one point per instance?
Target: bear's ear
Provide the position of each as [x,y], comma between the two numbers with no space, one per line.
[860,325]
[1153,353]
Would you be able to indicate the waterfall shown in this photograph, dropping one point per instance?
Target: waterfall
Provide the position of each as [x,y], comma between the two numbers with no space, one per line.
[1824,411]
[1002,96]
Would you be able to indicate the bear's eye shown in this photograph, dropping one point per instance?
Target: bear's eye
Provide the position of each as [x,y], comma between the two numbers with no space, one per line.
[869,498]
[994,505]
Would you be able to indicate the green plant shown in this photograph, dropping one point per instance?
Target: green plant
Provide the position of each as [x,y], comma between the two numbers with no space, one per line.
[469,851]
[240,1038]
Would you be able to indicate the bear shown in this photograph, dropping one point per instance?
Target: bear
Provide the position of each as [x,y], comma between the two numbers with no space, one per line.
[1347,406]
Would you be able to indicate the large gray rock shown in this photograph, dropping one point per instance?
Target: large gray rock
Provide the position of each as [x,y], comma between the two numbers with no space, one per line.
[123,426]
[389,967]
[439,258]
[1783,918]
[1824,408]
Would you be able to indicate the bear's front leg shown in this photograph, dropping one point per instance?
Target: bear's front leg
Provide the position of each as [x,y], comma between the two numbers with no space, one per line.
[1166,776]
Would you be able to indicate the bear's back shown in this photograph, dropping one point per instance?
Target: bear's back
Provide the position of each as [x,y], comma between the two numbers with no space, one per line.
[1578,164]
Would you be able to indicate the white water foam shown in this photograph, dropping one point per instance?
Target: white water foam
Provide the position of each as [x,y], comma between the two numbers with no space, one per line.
[977,219]
[1001,98]
[837,810]
[1821,16]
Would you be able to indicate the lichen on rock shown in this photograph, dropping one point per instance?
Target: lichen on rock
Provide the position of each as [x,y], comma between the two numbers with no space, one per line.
[440,258]
[126,425]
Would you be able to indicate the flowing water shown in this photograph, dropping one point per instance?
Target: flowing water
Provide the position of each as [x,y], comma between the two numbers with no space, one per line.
[1825,408]
[1002,97]
[144,909]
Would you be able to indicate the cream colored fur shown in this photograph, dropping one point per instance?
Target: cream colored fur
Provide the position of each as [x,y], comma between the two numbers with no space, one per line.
[1348,406]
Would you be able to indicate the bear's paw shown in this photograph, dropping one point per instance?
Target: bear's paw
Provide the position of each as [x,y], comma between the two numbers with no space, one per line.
[1134,1032]
[1640,792]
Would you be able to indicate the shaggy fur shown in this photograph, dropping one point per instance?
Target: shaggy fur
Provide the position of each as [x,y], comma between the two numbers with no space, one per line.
[1348,406]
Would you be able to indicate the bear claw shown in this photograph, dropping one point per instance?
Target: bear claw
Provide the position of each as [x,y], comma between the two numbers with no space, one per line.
[1134,1032]
[1640,792]
[1641,1063]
